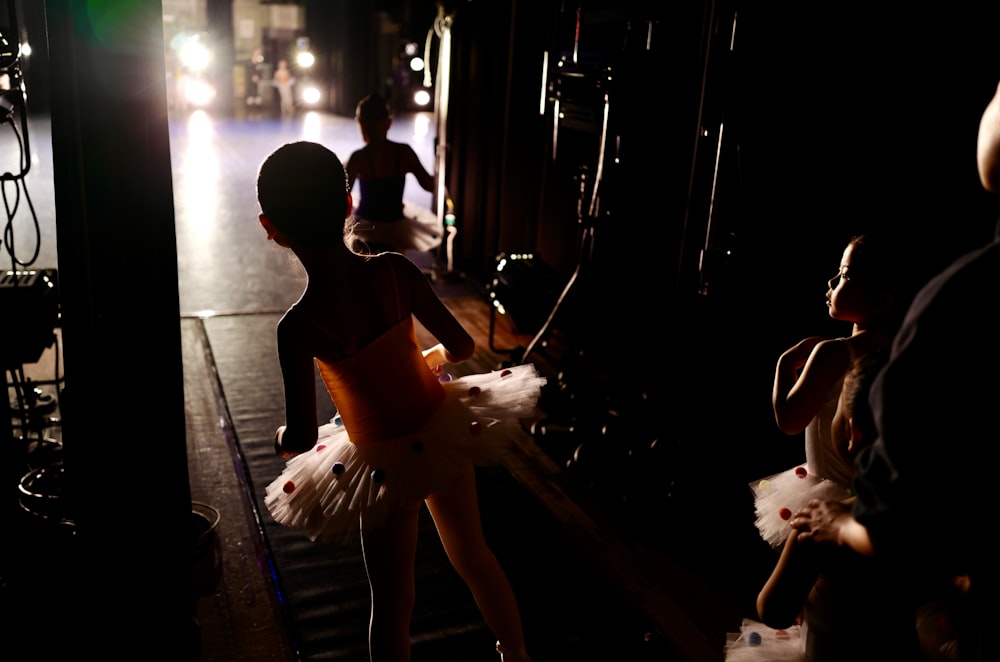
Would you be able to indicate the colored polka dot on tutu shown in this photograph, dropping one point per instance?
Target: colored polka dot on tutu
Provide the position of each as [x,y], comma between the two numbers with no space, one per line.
[378,475]
[753,639]
[444,378]
[337,468]
[288,487]
[337,420]
[320,447]
[782,635]
[785,514]
[475,428]
[801,472]
[417,447]
[505,373]
[475,390]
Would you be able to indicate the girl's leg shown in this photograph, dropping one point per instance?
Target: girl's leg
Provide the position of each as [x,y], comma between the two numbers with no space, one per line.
[456,516]
[389,550]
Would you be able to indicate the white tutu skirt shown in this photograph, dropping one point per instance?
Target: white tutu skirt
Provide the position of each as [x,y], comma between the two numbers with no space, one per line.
[417,229]
[757,642]
[778,497]
[325,490]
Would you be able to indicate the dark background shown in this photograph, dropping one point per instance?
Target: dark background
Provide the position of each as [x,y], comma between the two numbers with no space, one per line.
[765,135]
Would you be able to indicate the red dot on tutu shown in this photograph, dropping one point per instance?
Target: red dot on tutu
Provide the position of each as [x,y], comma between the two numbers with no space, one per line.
[337,468]
[505,373]
[288,487]
[781,635]
[801,472]
[320,447]
[476,428]
[378,475]
[475,390]
[785,514]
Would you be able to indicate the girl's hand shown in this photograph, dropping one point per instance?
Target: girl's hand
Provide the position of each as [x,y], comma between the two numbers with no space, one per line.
[799,353]
[436,357]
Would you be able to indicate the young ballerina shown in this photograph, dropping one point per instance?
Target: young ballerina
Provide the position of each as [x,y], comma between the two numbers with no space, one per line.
[383,219]
[406,435]
[822,607]
[871,292]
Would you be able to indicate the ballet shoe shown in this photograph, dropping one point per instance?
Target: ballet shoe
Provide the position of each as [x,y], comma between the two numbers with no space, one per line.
[513,654]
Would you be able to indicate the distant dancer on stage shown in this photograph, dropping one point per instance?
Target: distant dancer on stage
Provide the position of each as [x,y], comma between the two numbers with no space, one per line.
[383,220]
[405,434]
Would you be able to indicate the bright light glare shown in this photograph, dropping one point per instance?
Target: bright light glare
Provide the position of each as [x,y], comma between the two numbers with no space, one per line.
[421,97]
[421,126]
[311,126]
[417,64]
[310,95]
[198,92]
[197,193]
[25,49]
[305,59]
[194,55]
[410,49]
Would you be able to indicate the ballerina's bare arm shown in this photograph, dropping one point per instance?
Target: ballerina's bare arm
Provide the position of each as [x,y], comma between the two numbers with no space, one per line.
[801,388]
[432,313]
[412,163]
[298,377]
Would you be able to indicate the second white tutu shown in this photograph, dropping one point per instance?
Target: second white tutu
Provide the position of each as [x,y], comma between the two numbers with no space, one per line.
[757,642]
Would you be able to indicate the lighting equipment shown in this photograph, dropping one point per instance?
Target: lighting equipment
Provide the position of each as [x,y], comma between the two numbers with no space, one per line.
[524,288]
[29,300]
[12,90]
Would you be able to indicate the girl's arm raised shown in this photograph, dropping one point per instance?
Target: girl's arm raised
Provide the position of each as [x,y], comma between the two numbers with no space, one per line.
[803,378]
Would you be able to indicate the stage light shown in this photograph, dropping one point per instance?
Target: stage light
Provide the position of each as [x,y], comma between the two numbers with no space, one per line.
[525,289]
[198,92]
[422,98]
[30,301]
[195,55]
[305,59]
[311,95]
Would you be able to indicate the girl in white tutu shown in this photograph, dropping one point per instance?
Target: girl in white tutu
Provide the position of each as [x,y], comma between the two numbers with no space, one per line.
[405,434]
[823,607]
[871,291]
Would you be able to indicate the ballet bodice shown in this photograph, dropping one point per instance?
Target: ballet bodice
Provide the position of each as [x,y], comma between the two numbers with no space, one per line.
[385,390]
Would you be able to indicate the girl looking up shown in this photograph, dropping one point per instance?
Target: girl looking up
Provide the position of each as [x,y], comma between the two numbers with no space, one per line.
[870,291]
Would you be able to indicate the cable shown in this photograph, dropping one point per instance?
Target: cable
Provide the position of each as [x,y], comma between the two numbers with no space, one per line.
[18,179]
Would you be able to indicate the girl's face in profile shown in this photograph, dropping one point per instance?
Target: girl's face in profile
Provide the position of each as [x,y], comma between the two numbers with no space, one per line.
[850,298]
